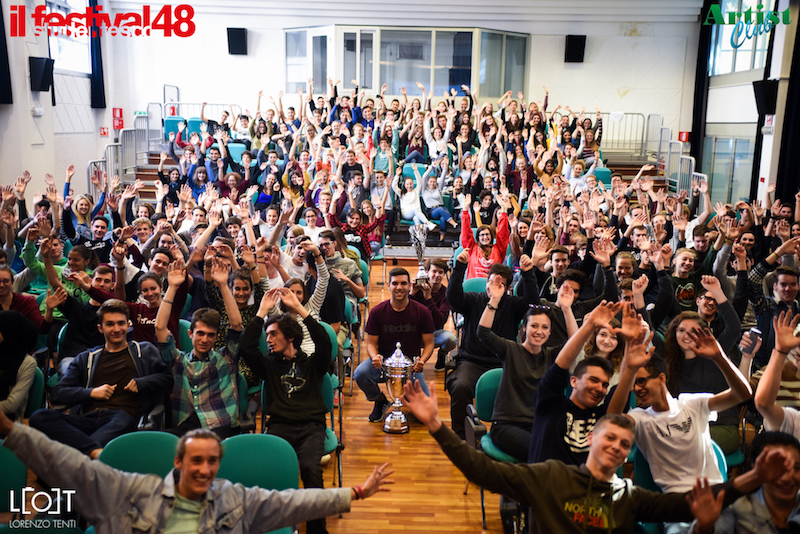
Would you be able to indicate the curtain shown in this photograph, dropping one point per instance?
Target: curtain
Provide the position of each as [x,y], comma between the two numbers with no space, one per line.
[98,89]
[5,68]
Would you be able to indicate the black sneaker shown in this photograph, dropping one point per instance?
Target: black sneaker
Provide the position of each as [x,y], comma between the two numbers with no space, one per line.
[439,367]
[380,409]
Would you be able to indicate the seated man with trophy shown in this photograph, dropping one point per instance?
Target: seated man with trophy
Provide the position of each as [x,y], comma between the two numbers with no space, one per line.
[400,330]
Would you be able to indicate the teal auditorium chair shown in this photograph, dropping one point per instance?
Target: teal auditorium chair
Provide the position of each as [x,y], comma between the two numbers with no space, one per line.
[146,452]
[478,438]
[235,150]
[193,126]
[603,175]
[276,467]
[171,126]
[35,394]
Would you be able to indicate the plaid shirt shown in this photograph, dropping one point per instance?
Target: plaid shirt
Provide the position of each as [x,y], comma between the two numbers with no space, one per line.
[205,387]
[362,230]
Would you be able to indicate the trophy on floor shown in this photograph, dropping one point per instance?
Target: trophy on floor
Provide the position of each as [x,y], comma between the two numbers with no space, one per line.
[398,371]
[419,233]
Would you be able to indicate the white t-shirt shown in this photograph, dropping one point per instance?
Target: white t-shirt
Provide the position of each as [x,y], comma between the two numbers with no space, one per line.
[677,443]
[294,271]
[790,424]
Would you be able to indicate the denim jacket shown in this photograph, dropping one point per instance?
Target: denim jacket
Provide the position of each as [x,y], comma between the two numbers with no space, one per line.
[114,501]
[750,515]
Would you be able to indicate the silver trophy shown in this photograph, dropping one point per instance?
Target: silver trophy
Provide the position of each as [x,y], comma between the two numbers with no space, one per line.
[398,371]
[419,234]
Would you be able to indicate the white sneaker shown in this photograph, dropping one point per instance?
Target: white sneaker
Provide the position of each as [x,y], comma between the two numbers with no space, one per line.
[431,227]
[325,459]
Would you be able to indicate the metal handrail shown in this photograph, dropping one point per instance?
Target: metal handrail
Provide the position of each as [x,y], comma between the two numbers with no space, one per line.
[625,135]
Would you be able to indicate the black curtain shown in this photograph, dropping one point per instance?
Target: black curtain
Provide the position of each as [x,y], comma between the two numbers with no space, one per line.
[758,148]
[787,165]
[701,87]
[98,89]
[5,67]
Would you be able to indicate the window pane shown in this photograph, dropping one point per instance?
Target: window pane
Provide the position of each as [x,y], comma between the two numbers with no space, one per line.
[70,52]
[349,53]
[405,60]
[744,56]
[491,64]
[453,64]
[725,54]
[296,66]
[720,177]
[742,169]
[516,50]
[320,44]
[366,60]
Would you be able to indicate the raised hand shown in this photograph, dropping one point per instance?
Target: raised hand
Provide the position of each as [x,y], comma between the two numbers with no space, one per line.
[289,300]
[541,249]
[705,508]
[639,285]
[177,273]
[566,296]
[631,323]
[602,314]
[603,248]
[56,298]
[705,344]
[784,326]
[80,279]
[219,271]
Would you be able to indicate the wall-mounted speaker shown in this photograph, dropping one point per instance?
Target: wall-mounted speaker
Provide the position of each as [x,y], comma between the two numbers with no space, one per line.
[237,41]
[41,73]
[574,49]
[766,96]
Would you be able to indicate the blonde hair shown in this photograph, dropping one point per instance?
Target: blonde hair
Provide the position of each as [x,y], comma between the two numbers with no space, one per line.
[81,219]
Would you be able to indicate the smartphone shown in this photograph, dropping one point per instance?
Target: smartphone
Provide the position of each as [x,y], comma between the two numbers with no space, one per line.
[754,334]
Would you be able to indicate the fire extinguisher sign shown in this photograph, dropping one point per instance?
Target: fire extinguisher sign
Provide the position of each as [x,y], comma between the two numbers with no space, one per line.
[117,113]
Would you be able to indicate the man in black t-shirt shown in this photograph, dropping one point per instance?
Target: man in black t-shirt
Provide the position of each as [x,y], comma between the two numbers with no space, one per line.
[101,243]
[350,166]
[397,320]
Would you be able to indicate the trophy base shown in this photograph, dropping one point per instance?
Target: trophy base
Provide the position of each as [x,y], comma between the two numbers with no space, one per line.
[396,423]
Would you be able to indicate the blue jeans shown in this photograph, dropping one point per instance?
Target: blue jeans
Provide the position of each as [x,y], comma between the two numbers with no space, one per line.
[441,213]
[368,378]
[415,157]
[445,340]
[84,432]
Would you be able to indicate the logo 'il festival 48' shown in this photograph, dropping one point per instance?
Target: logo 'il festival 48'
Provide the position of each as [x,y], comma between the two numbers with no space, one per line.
[171,20]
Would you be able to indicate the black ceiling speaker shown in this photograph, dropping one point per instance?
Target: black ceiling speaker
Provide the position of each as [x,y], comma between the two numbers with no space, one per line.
[766,96]
[41,73]
[574,49]
[237,41]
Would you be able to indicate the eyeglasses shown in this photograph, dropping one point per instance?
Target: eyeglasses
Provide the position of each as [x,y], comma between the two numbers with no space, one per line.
[710,300]
[323,245]
[4,281]
[642,381]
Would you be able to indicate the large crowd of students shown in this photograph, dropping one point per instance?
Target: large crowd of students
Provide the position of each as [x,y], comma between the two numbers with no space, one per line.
[263,228]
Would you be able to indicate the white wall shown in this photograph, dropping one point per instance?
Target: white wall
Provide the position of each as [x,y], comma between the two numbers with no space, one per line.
[733,104]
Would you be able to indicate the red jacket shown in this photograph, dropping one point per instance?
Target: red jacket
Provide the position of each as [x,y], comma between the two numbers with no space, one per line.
[478,266]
